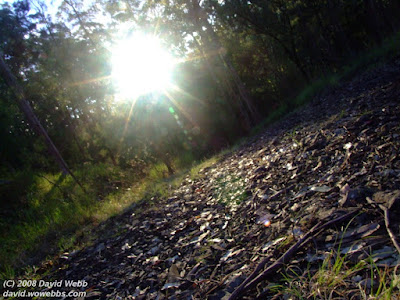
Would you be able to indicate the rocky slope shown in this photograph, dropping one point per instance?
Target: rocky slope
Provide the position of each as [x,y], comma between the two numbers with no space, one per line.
[315,196]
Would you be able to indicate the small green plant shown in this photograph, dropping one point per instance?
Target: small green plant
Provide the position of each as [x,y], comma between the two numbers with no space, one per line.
[158,171]
[292,286]
[292,136]
[230,190]
[66,242]
[334,275]
[335,278]
[384,283]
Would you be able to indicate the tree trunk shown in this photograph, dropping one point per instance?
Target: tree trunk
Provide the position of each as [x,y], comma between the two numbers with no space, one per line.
[34,122]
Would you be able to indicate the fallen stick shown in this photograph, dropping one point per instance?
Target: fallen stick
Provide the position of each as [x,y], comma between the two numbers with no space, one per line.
[254,279]
[387,223]
[278,193]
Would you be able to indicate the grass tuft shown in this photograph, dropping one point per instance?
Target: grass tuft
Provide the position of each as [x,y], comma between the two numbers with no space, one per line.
[338,277]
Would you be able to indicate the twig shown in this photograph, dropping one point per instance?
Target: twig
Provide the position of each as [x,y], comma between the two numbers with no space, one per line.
[387,224]
[193,271]
[48,180]
[254,279]
[221,282]
[277,194]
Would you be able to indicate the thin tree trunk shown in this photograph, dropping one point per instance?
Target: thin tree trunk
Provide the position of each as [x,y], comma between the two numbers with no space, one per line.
[246,104]
[26,108]
[236,108]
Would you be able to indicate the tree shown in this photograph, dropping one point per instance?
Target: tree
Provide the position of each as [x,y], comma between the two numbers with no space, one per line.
[25,107]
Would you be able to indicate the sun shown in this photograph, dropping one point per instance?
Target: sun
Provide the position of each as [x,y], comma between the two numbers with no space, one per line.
[140,65]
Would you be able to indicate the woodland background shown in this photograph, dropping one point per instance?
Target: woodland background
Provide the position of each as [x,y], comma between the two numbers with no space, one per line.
[244,62]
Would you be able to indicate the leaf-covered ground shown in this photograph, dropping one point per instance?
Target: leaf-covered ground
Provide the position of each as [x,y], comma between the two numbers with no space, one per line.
[308,209]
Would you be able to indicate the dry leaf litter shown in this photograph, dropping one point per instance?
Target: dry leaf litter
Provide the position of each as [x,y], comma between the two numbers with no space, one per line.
[337,156]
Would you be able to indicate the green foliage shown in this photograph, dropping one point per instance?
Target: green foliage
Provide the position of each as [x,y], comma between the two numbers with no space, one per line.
[7,273]
[187,159]
[365,61]
[370,58]
[309,92]
[206,163]
[158,171]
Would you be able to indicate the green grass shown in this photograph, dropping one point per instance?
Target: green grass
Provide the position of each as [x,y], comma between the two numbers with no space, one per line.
[50,211]
[49,206]
[272,117]
[335,278]
[206,163]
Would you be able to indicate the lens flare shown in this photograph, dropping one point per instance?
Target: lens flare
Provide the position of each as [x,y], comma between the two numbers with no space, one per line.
[267,223]
[141,65]
[265,219]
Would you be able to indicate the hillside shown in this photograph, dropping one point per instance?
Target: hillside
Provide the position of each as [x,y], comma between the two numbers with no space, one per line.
[307,209]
